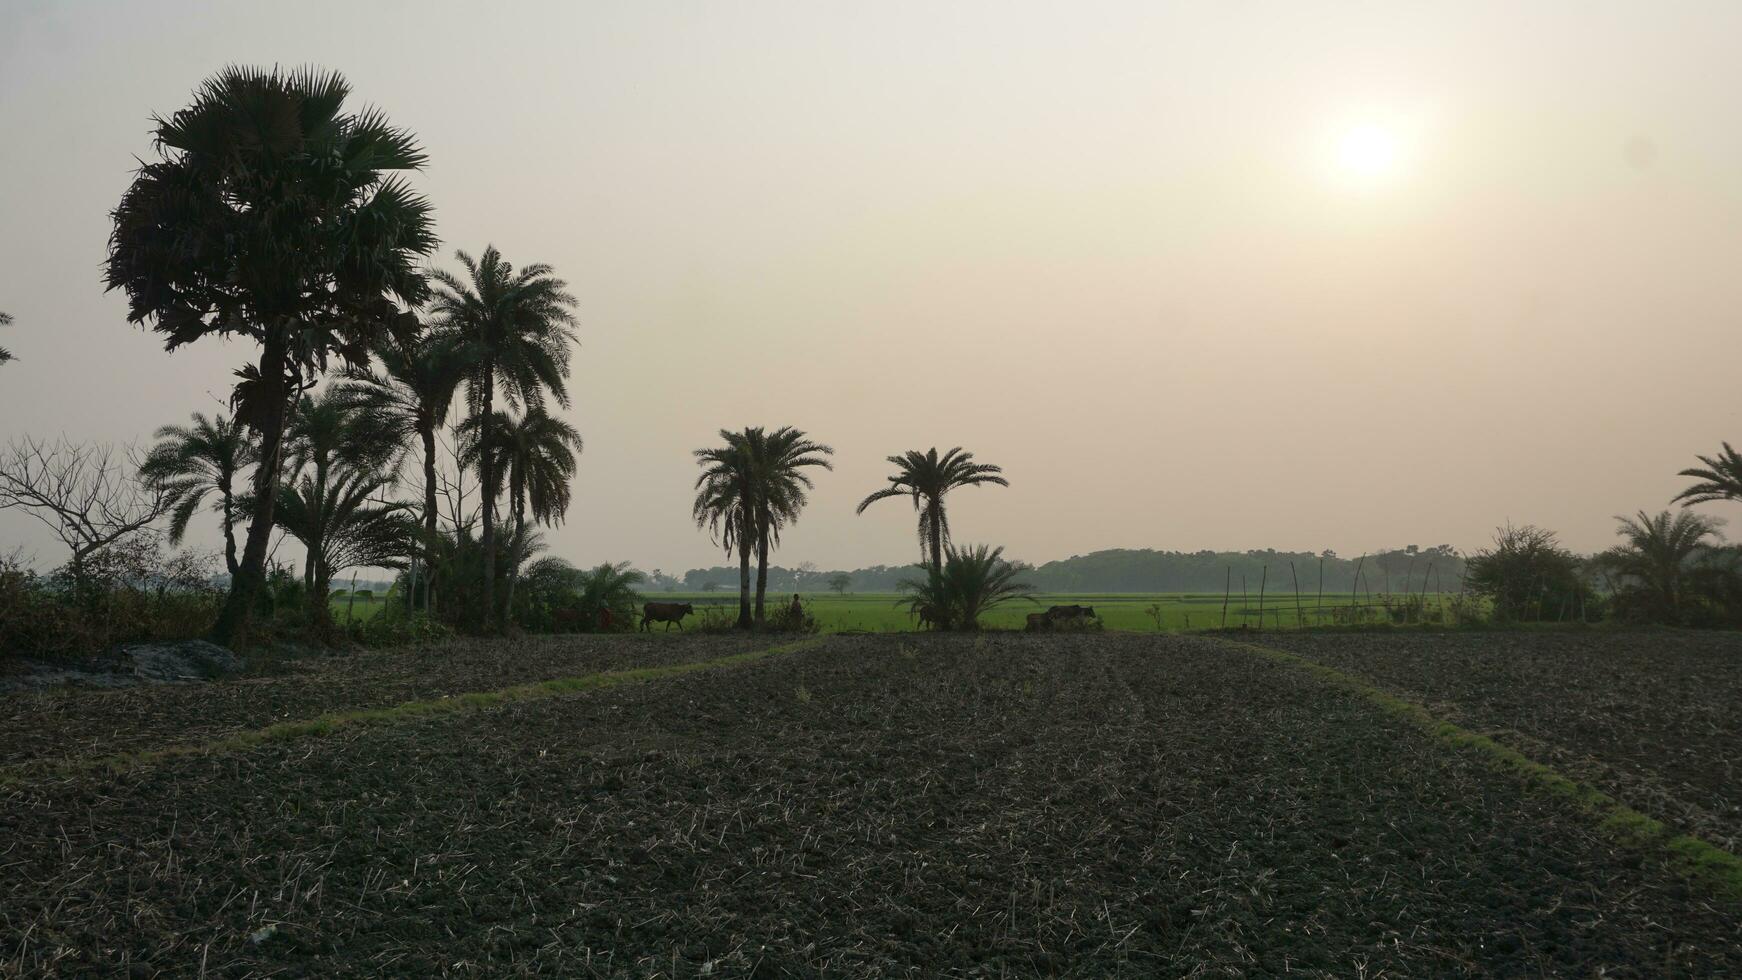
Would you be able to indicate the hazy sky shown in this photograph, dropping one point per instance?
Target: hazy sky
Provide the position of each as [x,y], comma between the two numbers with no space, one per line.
[1114,247]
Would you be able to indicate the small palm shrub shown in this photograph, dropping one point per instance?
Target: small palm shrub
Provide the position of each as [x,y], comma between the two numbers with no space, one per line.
[974,579]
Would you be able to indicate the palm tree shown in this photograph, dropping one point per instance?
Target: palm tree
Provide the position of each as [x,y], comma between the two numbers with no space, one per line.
[192,461]
[345,523]
[537,456]
[927,477]
[328,439]
[1720,478]
[273,214]
[973,580]
[512,329]
[5,321]
[1659,551]
[407,399]
[780,489]
[726,506]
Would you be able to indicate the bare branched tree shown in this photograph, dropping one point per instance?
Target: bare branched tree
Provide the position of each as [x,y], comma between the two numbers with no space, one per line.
[91,496]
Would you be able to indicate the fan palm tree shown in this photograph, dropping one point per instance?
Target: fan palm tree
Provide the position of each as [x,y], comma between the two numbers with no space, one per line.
[5,321]
[513,330]
[273,214]
[1659,551]
[536,454]
[194,461]
[1720,478]
[725,505]
[408,399]
[973,580]
[927,478]
[780,489]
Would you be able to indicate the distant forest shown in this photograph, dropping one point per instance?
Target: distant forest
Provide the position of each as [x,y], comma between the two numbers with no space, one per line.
[1411,569]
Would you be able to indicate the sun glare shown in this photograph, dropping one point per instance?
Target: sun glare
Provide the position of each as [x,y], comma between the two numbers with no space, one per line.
[1367,150]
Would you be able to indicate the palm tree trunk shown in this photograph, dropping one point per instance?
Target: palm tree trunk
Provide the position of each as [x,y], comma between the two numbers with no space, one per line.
[514,569]
[231,629]
[488,538]
[761,570]
[429,507]
[935,507]
[744,582]
[229,530]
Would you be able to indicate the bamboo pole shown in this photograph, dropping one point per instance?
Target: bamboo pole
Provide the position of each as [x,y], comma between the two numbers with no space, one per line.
[1261,583]
[1299,616]
[1227,582]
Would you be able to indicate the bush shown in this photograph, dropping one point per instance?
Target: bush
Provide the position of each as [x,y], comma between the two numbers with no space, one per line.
[1528,576]
[129,592]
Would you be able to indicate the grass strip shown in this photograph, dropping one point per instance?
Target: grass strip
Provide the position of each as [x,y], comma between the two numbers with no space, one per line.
[1694,857]
[332,721]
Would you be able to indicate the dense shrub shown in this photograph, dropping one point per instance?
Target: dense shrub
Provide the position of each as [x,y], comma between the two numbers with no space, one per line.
[129,592]
[1528,576]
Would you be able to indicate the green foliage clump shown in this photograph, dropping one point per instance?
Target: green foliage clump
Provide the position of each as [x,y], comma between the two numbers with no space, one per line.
[973,580]
[129,592]
[1670,569]
[1528,576]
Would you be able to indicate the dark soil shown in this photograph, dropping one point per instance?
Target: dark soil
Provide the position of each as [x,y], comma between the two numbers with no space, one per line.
[1085,805]
[72,723]
[1654,718]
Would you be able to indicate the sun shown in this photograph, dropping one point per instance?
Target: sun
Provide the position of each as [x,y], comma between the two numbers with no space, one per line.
[1367,150]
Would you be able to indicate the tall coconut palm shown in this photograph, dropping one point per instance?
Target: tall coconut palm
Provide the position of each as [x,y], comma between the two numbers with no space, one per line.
[725,506]
[1720,478]
[1659,550]
[274,214]
[927,478]
[512,329]
[780,489]
[5,321]
[407,399]
[194,461]
[536,454]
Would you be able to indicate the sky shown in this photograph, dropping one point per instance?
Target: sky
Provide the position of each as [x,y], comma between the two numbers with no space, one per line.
[1239,275]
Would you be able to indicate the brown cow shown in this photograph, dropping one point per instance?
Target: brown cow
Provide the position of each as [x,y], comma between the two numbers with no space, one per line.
[665,612]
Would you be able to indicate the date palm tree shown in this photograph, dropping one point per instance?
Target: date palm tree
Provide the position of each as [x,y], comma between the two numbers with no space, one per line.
[273,214]
[513,330]
[927,478]
[1659,552]
[346,522]
[974,579]
[537,455]
[725,506]
[329,442]
[780,488]
[1720,478]
[194,461]
[407,399]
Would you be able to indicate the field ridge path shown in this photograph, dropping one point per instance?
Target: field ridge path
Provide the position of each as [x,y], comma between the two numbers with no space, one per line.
[419,709]
[1694,856]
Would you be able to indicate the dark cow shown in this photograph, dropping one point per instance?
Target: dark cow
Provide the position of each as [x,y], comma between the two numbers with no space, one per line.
[929,616]
[1038,622]
[665,612]
[1071,615]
